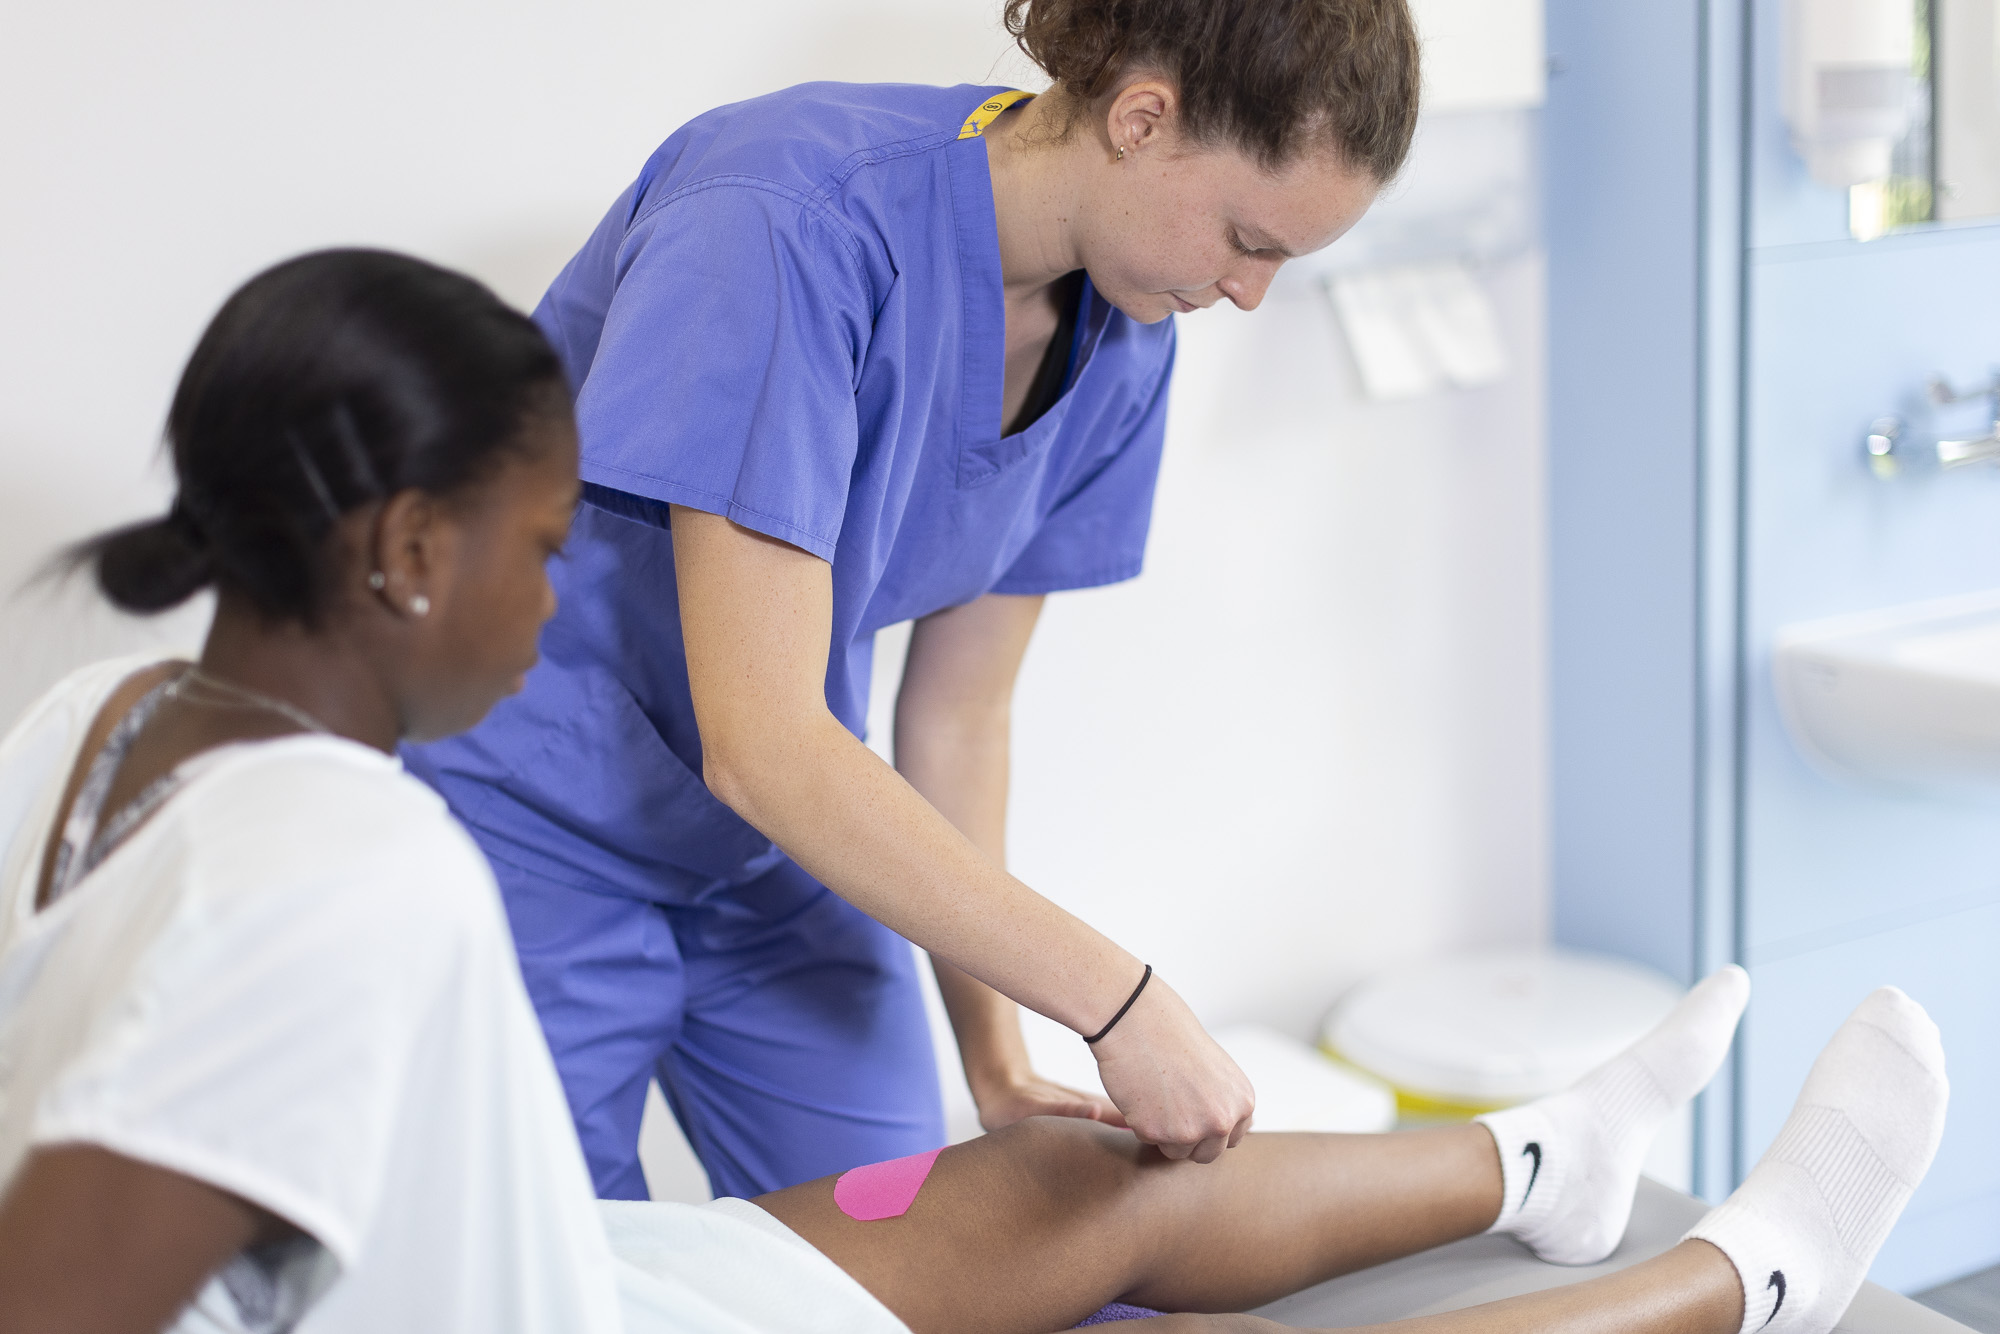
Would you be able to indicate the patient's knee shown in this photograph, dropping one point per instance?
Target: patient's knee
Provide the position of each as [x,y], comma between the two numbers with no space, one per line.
[1072,1158]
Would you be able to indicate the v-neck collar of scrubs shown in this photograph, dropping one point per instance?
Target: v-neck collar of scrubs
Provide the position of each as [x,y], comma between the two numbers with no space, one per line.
[983,374]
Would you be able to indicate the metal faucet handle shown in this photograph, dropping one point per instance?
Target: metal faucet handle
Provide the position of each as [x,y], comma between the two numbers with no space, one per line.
[1941,392]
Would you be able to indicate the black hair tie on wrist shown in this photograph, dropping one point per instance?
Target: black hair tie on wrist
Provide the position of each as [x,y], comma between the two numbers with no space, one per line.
[1130,1000]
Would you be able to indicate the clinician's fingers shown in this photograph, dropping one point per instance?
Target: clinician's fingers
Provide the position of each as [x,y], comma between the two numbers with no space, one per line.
[1209,1149]
[1040,1097]
[1100,1108]
[1242,1129]
[1175,1086]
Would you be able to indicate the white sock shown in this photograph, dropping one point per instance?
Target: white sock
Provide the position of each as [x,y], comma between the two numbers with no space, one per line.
[1804,1226]
[1570,1163]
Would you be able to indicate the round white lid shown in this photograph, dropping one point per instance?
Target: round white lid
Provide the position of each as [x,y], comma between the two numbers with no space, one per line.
[1497,1026]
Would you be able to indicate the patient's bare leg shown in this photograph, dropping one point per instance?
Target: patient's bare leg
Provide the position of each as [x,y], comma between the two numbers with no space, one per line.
[1036,1226]
[1032,1228]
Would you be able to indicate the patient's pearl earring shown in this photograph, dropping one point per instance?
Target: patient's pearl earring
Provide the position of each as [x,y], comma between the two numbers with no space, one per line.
[420,605]
[378,581]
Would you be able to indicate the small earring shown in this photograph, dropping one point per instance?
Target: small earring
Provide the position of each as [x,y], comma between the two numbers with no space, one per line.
[420,605]
[1121,152]
[378,581]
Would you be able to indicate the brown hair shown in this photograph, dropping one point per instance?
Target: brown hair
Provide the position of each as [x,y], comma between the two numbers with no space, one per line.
[1269,76]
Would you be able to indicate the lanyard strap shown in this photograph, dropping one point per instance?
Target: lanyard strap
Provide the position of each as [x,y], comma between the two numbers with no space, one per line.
[984,115]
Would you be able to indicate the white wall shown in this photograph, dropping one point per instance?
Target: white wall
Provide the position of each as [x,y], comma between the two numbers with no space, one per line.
[152,156]
[1482,54]
[1307,743]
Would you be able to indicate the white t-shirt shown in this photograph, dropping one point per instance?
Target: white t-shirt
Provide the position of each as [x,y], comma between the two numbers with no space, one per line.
[295,982]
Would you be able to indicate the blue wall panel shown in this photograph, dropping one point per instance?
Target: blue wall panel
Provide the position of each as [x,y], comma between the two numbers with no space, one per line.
[1840,335]
[1623,240]
[1846,885]
[1718,347]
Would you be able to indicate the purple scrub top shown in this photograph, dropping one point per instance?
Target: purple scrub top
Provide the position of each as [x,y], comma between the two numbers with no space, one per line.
[792,318]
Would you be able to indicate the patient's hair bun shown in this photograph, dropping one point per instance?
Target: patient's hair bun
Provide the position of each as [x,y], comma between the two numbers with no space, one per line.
[155,565]
[325,383]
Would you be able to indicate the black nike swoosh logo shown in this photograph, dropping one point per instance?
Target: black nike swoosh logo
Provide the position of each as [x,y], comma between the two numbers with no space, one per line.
[1778,1282]
[1534,1147]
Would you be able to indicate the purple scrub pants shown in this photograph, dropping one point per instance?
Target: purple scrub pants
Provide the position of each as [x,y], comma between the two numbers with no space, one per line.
[786,1027]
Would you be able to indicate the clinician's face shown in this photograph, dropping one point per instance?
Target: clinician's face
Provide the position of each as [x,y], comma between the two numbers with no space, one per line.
[1177,226]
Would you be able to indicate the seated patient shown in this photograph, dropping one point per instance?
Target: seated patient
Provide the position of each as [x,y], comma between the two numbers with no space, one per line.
[266,1060]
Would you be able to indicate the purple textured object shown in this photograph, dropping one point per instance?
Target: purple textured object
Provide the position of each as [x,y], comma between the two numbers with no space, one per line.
[1119,1311]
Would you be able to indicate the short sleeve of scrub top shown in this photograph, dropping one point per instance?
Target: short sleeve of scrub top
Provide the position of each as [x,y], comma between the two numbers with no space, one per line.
[723,379]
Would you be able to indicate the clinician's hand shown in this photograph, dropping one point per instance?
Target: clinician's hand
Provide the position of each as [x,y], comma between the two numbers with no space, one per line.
[1028,1094]
[1178,1090]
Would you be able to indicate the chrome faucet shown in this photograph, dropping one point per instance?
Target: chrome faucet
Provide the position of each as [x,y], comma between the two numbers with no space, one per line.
[1886,449]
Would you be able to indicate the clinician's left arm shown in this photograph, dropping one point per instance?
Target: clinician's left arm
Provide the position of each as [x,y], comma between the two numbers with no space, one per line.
[953,725]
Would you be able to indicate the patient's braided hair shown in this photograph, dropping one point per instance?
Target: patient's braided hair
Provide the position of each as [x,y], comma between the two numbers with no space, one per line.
[1272,77]
[325,383]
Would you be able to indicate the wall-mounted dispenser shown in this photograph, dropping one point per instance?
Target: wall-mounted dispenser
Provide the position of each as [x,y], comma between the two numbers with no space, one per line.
[1847,84]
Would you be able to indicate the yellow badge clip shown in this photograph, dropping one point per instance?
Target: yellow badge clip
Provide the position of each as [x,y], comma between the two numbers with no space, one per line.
[975,124]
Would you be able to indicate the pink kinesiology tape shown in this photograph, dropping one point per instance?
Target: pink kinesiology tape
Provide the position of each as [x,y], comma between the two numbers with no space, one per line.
[883,1190]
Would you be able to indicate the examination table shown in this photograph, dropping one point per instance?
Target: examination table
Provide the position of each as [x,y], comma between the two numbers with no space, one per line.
[1485,1269]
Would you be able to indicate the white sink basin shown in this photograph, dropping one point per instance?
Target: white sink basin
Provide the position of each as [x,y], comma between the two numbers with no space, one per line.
[1910,694]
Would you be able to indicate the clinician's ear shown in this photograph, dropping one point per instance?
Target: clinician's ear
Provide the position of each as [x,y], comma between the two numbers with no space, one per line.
[1140,116]
[413,546]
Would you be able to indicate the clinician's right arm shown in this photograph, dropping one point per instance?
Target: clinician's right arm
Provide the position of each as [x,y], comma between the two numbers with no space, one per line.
[756,618]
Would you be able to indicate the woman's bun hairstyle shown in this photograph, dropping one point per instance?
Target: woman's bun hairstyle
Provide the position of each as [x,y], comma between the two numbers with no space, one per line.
[153,566]
[328,382]
[1273,77]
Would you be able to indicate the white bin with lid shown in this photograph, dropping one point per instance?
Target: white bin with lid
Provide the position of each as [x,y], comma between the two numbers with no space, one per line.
[1478,1031]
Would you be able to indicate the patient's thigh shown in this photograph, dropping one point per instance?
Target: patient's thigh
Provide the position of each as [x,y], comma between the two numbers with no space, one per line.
[1022,1229]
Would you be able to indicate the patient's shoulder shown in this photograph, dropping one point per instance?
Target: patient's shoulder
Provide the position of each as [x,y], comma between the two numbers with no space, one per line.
[315,817]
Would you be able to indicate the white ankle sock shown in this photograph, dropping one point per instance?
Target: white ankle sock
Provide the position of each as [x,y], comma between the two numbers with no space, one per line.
[1570,1163]
[1804,1226]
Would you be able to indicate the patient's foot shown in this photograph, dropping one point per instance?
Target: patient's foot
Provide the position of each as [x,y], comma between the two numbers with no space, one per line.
[1570,1163]
[1806,1223]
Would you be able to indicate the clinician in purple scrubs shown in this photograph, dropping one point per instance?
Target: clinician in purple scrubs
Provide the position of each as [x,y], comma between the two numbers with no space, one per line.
[846,356]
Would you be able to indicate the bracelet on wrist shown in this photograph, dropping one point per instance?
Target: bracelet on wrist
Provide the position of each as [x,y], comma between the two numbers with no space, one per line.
[1130,1000]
